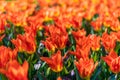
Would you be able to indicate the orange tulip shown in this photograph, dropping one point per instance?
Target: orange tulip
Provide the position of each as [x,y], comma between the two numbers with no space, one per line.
[31,30]
[117,34]
[95,42]
[83,42]
[55,30]
[57,37]
[68,21]
[55,62]
[22,9]
[49,45]
[97,24]
[25,42]
[79,34]
[82,48]
[108,41]
[112,22]
[76,21]
[113,61]
[6,54]
[90,10]
[85,67]
[80,53]
[14,71]
[60,41]
[59,78]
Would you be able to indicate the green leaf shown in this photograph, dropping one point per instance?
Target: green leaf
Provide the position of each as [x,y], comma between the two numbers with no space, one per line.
[95,17]
[71,38]
[77,74]
[48,71]
[39,76]
[117,48]
[43,64]
[31,71]
[96,73]
[112,77]
[34,61]
[3,77]
[65,70]
[19,30]
[32,56]
[37,8]
[49,22]
[29,59]
[19,60]
[88,28]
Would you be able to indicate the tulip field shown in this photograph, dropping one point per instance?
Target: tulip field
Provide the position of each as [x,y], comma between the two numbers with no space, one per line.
[59,39]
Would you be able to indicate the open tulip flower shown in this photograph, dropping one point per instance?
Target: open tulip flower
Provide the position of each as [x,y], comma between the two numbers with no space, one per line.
[113,61]
[57,38]
[85,67]
[108,41]
[6,54]
[55,62]
[14,69]
[80,53]
[25,43]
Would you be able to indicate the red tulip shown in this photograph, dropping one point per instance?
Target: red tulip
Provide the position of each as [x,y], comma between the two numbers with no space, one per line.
[2,24]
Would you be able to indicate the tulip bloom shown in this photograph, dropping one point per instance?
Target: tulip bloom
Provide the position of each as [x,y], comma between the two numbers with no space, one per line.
[112,22]
[6,54]
[25,42]
[49,45]
[108,41]
[15,71]
[80,53]
[60,41]
[97,24]
[85,67]
[113,61]
[55,62]
[82,48]
[117,34]
[79,34]
[95,42]
[57,38]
